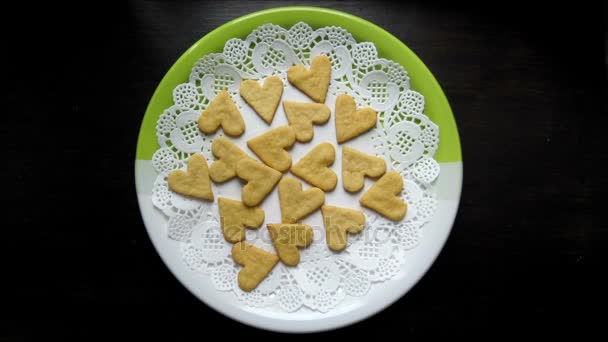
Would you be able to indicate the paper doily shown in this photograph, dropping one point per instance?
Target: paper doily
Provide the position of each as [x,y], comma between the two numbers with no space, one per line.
[404,136]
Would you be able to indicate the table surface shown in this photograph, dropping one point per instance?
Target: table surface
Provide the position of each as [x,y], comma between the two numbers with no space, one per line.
[529,91]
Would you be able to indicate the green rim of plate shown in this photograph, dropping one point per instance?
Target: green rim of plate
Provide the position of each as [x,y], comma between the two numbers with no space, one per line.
[422,80]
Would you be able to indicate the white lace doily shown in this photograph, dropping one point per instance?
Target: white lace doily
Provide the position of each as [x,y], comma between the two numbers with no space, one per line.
[404,136]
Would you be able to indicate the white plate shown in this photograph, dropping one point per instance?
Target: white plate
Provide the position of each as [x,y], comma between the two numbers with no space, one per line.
[352,309]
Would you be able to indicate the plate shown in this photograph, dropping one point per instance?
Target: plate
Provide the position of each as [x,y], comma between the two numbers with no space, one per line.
[448,185]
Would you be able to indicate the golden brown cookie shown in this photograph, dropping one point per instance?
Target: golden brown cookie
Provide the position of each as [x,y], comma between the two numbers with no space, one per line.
[339,221]
[287,237]
[350,122]
[383,196]
[195,182]
[260,178]
[314,167]
[302,115]
[236,216]
[264,100]
[295,203]
[227,154]
[356,165]
[270,147]
[256,262]
[313,82]
[222,111]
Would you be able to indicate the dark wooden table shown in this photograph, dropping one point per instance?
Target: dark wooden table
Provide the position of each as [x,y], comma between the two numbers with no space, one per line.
[529,91]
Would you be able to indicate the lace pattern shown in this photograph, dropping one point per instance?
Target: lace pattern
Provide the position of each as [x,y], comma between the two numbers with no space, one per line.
[404,136]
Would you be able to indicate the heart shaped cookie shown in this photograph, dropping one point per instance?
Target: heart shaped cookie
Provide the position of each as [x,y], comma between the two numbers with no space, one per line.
[295,203]
[302,115]
[260,178]
[356,165]
[256,262]
[270,147]
[313,167]
[339,221]
[383,196]
[222,111]
[287,237]
[264,100]
[313,82]
[350,122]
[195,182]
[228,155]
[236,216]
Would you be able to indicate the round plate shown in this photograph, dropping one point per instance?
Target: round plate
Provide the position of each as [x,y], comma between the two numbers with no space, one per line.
[434,234]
